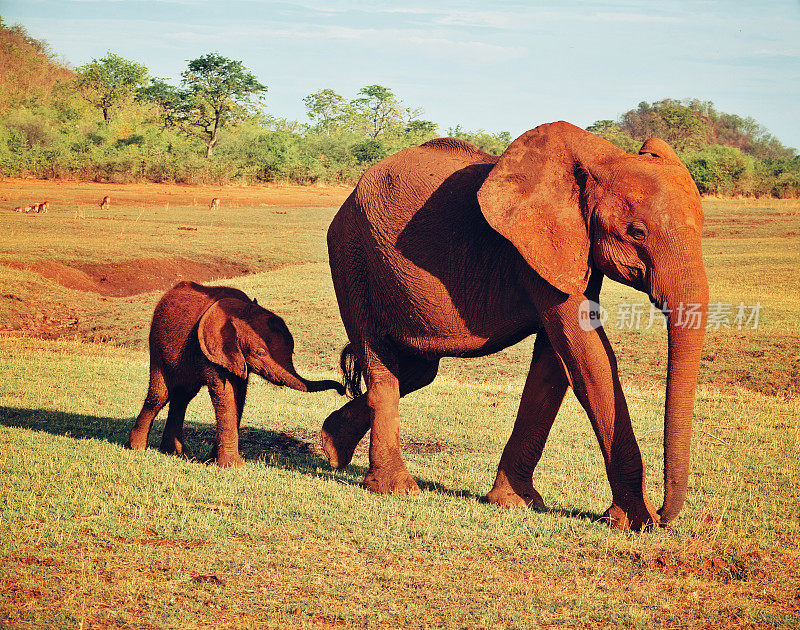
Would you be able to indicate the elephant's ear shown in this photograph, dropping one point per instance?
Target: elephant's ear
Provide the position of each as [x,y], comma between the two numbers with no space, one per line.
[536,197]
[660,149]
[218,339]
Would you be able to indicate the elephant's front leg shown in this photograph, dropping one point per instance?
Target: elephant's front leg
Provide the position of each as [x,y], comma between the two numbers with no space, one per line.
[224,398]
[544,392]
[387,472]
[592,369]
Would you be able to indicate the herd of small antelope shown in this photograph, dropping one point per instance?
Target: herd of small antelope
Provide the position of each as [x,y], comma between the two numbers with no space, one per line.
[42,207]
[105,204]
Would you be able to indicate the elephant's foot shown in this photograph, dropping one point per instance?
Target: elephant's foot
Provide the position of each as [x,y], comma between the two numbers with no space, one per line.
[638,514]
[342,431]
[174,446]
[510,492]
[137,440]
[230,461]
[392,480]
[226,459]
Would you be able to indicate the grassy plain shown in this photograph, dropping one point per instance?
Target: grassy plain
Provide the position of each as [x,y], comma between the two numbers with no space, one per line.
[94,535]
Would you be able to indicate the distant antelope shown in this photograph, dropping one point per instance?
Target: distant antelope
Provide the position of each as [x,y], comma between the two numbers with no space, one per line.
[106,203]
[18,209]
[214,203]
[43,207]
[31,207]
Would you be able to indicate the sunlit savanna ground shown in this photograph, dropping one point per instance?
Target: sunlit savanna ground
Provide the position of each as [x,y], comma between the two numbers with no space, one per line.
[94,535]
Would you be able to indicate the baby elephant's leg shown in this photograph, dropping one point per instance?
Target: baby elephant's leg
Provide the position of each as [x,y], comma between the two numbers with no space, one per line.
[173,441]
[223,397]
[157,397]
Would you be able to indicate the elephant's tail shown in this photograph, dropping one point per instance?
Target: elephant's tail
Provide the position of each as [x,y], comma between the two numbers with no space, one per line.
[352,370]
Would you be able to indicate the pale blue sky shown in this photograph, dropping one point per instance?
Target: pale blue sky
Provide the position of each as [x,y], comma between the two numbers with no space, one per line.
[491,65]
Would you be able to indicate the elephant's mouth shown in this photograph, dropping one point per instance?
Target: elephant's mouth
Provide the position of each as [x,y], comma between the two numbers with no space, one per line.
[635,277]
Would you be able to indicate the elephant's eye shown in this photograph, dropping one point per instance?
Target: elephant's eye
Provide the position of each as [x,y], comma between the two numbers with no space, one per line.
[637,231]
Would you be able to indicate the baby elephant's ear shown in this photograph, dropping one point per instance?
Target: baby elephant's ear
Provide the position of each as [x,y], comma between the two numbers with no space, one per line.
[217,336]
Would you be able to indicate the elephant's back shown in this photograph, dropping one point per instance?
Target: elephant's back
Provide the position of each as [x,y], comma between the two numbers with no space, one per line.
[394,189]
[413,239]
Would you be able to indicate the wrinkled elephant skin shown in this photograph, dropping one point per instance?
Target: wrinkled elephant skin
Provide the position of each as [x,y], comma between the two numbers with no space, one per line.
[213,336]
[443,250]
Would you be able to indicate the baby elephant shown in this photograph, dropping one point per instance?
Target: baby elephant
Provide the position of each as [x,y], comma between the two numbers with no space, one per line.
[213,336]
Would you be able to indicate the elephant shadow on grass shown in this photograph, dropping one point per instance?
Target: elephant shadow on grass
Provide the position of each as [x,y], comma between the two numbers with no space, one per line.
[289,450]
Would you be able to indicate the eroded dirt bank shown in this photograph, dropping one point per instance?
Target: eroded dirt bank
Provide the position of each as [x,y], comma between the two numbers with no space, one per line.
[131,277]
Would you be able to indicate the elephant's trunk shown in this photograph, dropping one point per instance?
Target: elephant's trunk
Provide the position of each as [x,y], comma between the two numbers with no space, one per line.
[321,386]
[290,378]
[686,323]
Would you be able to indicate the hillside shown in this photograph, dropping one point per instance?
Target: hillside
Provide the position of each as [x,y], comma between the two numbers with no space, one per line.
[109,121]
[30,72]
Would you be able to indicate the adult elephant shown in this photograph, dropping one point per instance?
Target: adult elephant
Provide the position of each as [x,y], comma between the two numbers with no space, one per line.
[443,250]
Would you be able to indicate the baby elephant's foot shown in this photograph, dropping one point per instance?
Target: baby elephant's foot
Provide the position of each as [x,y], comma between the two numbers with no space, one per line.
[511,492]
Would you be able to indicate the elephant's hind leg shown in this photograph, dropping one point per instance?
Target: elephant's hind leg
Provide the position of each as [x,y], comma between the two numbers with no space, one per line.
[157,397]
[387,472]
[345,428]
[542,396]
[172,441]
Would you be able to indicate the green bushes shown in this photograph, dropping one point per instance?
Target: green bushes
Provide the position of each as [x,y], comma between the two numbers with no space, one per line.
[726,154]
[719,170]
[55,123]
[726,171]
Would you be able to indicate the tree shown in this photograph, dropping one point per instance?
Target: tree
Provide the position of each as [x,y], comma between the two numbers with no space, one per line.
[108,81]
[419,131]
[490,143]
[217,91]
[684,129]
[609,130]
[326,108]
[378,109]
[167,98]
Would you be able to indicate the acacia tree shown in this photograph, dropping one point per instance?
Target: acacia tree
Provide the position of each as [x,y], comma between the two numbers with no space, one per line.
[327,108]
[108,81]
[217,91]
[165,97]
[378,109]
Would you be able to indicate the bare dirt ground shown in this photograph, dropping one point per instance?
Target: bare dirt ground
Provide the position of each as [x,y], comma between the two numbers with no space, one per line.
[147,274]
[91,193]
[61,268]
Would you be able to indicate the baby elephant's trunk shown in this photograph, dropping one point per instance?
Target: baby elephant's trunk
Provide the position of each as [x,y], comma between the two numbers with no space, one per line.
[321,386]
[281,376]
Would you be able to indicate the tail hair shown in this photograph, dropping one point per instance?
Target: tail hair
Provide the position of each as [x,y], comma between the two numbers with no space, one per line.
[352,371]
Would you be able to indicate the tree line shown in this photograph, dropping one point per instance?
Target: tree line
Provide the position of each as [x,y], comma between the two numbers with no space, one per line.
[109,120]
[725,153]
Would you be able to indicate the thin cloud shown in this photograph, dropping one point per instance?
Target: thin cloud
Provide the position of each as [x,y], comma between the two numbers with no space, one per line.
[423,44]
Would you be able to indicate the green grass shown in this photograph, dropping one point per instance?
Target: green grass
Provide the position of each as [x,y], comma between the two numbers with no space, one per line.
[94,535]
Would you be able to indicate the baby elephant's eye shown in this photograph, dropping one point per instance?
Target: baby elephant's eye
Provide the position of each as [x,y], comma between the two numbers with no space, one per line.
[637,231]
[261,351]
